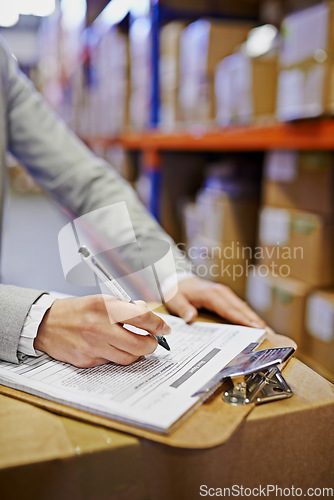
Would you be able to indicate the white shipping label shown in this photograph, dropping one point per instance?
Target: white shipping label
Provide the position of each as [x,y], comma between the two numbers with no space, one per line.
[304,32]
[259,292]
[314,90]
[320,318]
[282,166]
[290,94]
[274,226]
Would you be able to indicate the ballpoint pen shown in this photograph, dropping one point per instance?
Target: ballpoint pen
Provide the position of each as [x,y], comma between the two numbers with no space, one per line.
[109,281]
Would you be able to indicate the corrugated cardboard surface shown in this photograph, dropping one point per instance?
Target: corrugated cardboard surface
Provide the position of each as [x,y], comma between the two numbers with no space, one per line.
[43,455]
[284,444]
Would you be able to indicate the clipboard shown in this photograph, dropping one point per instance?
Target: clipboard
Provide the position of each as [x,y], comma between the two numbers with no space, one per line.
[211,424]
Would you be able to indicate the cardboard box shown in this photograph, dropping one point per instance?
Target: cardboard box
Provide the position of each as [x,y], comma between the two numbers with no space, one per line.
[260,293]
[245,89]
[306,79]
[293,433]
[227,218]
[289,305]
[47,456]
[140,73]
[306,91]
[298,46]
[281,302]
[299,180]
[203,44]
[222,262]
[319,341]
[170,38]
[54,456]
[297,244]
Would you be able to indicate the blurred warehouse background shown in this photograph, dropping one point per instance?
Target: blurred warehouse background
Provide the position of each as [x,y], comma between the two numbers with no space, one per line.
[220,114]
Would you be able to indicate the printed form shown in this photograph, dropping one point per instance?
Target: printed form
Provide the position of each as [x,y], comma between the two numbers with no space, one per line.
[154,392]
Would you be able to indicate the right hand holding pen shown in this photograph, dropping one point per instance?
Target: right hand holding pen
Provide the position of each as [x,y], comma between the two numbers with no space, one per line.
[88,331]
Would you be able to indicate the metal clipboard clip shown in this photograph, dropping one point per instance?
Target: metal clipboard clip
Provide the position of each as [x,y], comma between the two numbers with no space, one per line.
[252,377]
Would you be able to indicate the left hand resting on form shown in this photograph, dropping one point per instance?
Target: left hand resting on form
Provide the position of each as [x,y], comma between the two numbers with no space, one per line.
[196,293]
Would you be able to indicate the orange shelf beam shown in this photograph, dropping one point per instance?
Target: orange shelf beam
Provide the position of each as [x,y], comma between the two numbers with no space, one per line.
[303,135]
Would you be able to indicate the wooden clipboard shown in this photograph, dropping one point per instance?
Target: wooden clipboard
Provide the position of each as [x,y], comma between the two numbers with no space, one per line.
[209,425]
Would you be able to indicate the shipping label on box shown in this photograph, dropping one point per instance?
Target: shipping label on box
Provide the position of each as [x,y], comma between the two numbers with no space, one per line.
[245,89]
[299,243]
[259,294]
[319,344]
[308,33]
[320,318]
[303,181]
[289,304]
[305,91]
[203,44]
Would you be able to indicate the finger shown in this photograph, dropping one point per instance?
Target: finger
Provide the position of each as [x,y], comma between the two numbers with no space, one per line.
[181,306]
[138,315]
[224,302]
[132,343]
[119,356]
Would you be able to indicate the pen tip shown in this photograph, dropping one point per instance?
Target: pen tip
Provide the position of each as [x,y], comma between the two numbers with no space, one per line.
[163,342]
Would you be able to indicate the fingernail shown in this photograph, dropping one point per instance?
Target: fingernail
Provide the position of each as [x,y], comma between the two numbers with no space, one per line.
[166,329]
[188,316]
[256,325]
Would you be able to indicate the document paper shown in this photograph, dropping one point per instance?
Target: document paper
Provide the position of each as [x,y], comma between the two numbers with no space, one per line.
[154,392]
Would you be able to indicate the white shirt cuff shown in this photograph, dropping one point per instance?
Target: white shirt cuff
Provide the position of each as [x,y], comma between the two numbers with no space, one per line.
[31,324]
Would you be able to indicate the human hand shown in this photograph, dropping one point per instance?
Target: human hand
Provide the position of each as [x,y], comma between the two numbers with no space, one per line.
[195,293]
[88,331]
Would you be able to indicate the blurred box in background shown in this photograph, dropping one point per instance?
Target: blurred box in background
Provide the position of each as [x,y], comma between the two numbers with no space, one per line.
[300,180]
[170,38]
[306,79]
[111,64]
[223,220]
[289,305]
[226,217]
[203,44]
[319,342]
[300,244]
[281,302]
[220,261]
[100,93]
[140,73]
[259,293]
[245,89]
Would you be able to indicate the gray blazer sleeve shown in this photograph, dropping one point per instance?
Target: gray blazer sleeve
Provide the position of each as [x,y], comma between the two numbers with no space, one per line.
[63,166]
[15,303]
[66,168]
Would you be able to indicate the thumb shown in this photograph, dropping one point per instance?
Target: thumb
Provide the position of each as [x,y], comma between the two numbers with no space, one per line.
[181,306]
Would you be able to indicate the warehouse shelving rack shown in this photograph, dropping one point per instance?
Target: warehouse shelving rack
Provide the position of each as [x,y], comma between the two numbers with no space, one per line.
[315,134]
[304,135]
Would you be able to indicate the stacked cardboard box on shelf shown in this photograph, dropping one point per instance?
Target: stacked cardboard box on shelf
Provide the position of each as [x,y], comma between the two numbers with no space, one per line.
[281,302]
[203,44]
[170,38]
[245,89]
[221,228]
[319,338]
[306,78]
[295,245]
[101,87]
[140,73]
